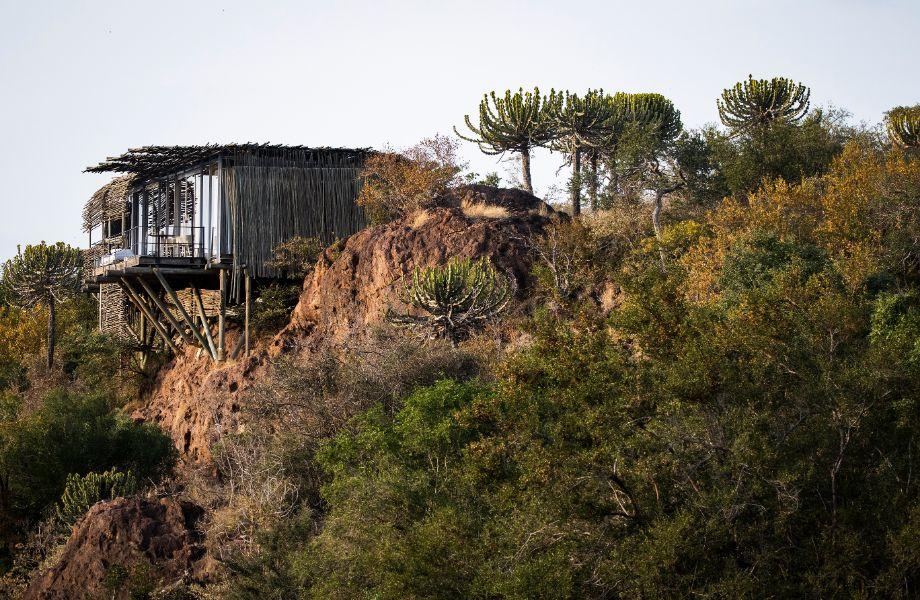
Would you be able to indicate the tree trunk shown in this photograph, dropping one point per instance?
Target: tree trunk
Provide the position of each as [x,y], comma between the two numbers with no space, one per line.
[525,167]
[592,182]
[576,182]
[656,223]
[51,327]
[656,214]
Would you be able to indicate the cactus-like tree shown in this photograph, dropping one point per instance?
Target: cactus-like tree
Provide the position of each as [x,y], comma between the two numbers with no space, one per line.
[653,112]
[43,274]
[604,139]
[455,298]
[639,128]
[580,123]
[516,122]
[903,124]
[759,103]
[82,492]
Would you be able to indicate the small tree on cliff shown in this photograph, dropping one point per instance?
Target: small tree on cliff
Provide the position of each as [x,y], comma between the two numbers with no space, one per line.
[517,122]
[456,298]
[295,257]
[43,274]
[399,182]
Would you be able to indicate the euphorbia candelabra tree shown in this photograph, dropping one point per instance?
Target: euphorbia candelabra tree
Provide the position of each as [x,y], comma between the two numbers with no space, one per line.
[516,122]
[758,103]
[456,298]
[579,123]
[903,123]
[43,274]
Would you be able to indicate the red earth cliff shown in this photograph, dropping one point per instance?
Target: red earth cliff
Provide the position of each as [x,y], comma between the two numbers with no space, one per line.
[350,290]
[127,532]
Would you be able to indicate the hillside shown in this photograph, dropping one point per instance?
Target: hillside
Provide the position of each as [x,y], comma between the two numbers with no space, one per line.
[706,384]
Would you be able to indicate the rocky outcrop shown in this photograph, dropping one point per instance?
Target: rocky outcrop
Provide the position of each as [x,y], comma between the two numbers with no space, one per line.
[195,401]
[349,291]
[353,286]
[130,533]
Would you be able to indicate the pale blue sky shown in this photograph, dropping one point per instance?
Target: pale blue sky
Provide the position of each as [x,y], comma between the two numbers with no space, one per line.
[80,81]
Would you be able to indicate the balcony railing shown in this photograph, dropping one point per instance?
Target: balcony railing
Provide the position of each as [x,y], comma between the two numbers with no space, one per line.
[187,242]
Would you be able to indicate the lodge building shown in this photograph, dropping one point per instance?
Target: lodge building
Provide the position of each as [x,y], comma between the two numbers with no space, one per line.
[181,233]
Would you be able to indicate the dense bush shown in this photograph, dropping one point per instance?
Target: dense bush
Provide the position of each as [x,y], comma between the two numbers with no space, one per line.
[272,479]
[397,183]
[295,257]
[741,423]
[272,309]
[73,433]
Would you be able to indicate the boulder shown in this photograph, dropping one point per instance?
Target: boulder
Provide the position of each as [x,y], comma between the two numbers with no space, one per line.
[159,534]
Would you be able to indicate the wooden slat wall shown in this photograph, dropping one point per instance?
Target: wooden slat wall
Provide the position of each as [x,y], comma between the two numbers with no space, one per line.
[116,315]
[271,199]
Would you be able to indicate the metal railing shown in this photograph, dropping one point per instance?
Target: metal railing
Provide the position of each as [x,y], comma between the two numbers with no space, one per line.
[167,242]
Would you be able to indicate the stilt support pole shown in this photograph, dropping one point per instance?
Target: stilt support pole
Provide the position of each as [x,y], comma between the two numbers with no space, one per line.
[248,310]
[222,315]
[204,320]
[142,306]
[183,313]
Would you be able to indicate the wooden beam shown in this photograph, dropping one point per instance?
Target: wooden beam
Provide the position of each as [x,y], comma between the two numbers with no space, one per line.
[163,308]
[185,316]
[142,339]
[222,314]
[204,320]
[142,306]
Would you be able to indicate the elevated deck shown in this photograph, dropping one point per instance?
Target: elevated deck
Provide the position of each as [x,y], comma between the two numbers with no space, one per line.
[182,270]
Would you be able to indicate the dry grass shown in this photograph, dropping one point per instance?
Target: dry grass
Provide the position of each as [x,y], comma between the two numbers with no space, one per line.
[419,219]
[543,210]
[476,210]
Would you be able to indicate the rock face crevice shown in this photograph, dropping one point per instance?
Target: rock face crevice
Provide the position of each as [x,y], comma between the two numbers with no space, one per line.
[127,532]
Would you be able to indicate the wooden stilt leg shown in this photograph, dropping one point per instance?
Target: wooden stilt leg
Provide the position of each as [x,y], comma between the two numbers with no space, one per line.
[183,313]
[222,314]
[166,312]
[142,338]
[142,306]
[204,320]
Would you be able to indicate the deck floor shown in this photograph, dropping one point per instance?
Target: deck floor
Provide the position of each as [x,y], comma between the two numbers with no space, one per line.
[185,267]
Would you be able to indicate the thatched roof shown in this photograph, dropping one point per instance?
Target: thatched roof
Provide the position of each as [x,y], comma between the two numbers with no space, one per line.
[150,162]
[107,203]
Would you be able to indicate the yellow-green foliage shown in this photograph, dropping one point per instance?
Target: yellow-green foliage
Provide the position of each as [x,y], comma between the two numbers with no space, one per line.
[81,492]
[741,424]
[762,102]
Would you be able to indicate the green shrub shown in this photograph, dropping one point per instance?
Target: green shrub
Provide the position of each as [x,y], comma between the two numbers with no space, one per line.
[295,257]
[896,325]
[82,492]
[75,433]
[272,309]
